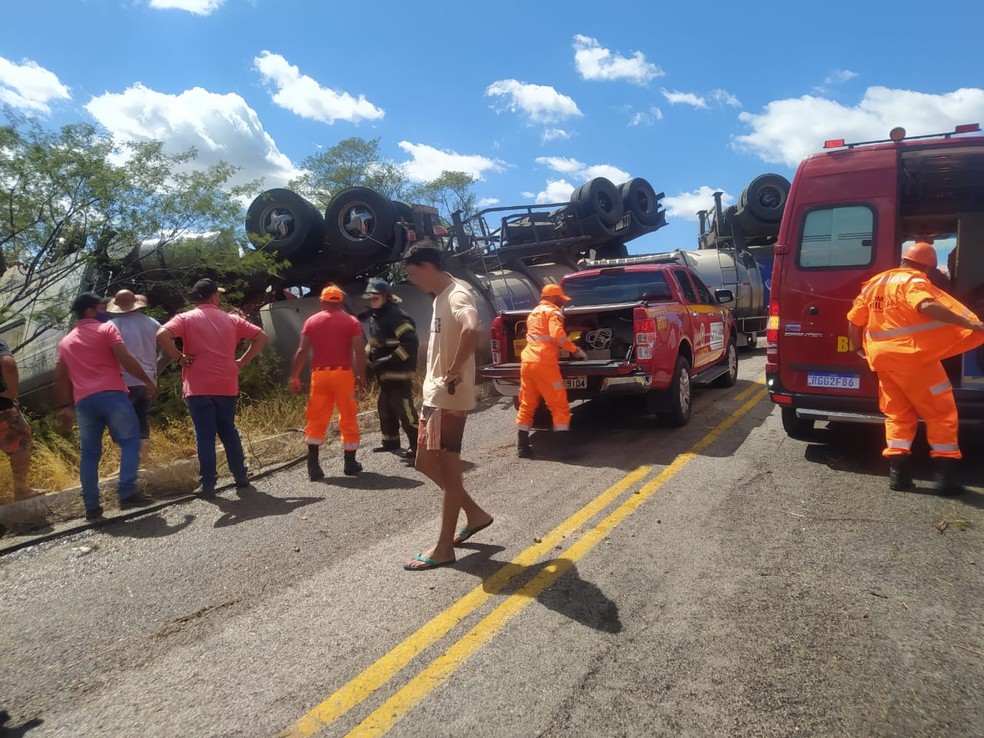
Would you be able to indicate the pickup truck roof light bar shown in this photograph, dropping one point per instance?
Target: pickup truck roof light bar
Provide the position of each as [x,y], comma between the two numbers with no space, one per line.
[898,134]
[627,261]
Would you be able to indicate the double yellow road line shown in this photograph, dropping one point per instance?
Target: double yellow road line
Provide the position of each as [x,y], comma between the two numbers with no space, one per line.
[439,670]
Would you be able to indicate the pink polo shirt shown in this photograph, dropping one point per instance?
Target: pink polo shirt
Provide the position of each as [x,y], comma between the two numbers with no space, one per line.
[87,352]
[210,334]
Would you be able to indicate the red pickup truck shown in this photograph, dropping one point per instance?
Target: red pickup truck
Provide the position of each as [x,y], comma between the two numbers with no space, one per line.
[651,329]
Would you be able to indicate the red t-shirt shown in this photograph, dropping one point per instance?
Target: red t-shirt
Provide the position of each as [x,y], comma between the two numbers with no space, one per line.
[331,336]
[87,352]
[210,335]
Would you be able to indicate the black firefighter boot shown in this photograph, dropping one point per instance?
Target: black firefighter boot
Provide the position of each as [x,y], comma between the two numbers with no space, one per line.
[315,471]
[352,467]
[899,473]
[523,449]
[946,478]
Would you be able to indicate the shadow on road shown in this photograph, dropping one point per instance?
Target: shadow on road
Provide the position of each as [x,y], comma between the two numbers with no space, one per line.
[16,731]
[370,480]
[253,503]
[857,448]
[570,595]
[152,526]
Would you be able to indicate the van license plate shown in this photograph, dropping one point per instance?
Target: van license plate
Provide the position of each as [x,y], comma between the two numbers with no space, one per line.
[579,382]
[834,381]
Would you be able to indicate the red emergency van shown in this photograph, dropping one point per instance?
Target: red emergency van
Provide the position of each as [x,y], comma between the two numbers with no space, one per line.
[850,211]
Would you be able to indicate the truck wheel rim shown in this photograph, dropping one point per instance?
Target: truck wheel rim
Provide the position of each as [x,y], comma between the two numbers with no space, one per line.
[684,391]
[357,221]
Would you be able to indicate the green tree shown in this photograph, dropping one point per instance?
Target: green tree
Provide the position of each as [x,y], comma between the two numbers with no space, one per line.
[449,192]
[354,162]
[79,210]
[357,162]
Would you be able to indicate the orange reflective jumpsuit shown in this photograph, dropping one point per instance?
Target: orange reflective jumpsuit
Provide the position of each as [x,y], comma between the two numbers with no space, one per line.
[905,347]
[539,372]
[331,387]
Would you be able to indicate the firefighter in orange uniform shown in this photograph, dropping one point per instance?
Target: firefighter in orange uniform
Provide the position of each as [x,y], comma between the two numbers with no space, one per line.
[540,369]
[904,327]
[336,344]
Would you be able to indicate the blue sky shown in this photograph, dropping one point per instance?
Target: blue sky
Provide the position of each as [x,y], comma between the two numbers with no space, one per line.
[533,98]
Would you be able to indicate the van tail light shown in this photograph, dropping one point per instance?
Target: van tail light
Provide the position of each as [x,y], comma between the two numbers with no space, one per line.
[498,340]
[772,338]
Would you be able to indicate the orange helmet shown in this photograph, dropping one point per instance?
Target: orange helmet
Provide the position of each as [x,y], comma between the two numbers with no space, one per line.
[920,252]
[554,290]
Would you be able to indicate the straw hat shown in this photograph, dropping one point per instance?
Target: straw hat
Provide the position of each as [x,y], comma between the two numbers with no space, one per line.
[126,302]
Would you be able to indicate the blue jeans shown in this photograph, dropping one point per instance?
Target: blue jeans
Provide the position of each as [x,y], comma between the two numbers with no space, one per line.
[216,415]
[94,414]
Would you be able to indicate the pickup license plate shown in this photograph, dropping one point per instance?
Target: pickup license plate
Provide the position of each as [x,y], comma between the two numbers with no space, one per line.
[579,382]
[834,381]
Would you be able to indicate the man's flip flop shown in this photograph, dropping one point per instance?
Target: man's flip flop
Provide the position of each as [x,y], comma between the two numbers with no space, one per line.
[425,563]
[465,533]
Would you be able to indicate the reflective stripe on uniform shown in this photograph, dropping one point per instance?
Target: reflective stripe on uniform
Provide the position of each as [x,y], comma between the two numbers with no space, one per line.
[401,329]
[402,353]
[940,388]
[944,447]
[904,331]
[895,443]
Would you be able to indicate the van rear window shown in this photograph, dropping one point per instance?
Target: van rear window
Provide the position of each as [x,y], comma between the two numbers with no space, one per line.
[837,237]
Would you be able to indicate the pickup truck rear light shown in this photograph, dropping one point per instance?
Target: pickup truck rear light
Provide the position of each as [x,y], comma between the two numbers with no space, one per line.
[498,340]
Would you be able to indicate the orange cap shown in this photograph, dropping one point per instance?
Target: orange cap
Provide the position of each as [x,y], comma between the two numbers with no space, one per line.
[332,293]
[920,252]
[554,290]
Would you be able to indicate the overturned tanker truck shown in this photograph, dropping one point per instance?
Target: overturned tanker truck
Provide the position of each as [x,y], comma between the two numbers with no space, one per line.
[505,254]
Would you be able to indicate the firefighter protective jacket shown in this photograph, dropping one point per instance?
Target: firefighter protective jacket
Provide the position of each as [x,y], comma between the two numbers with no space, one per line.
[897,334]
[392,341]
[545,334]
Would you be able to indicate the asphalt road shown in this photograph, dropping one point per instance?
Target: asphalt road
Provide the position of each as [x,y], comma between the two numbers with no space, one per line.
[718,579]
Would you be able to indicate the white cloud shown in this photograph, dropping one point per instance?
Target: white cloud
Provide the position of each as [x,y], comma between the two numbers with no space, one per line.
[787,130]
[487,202]
[198,7]
[723,97]
[303,96]
[29,87]
[684,98]
[838,76]
[540,103]
[581,171]
[558,190]
[646,117]
[220,127]
[685,205]
[595,62]
[555,134]
[427,163]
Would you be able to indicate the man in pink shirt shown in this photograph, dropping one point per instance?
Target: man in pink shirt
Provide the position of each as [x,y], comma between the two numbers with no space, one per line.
[210,374]
[89,365]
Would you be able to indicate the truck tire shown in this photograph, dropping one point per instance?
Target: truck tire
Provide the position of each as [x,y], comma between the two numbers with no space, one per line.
[680,395]
[798,428]
[360,221]
[639,198]
[731,361]
[293,226]
[403,212]
[765,197]
[599,197]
